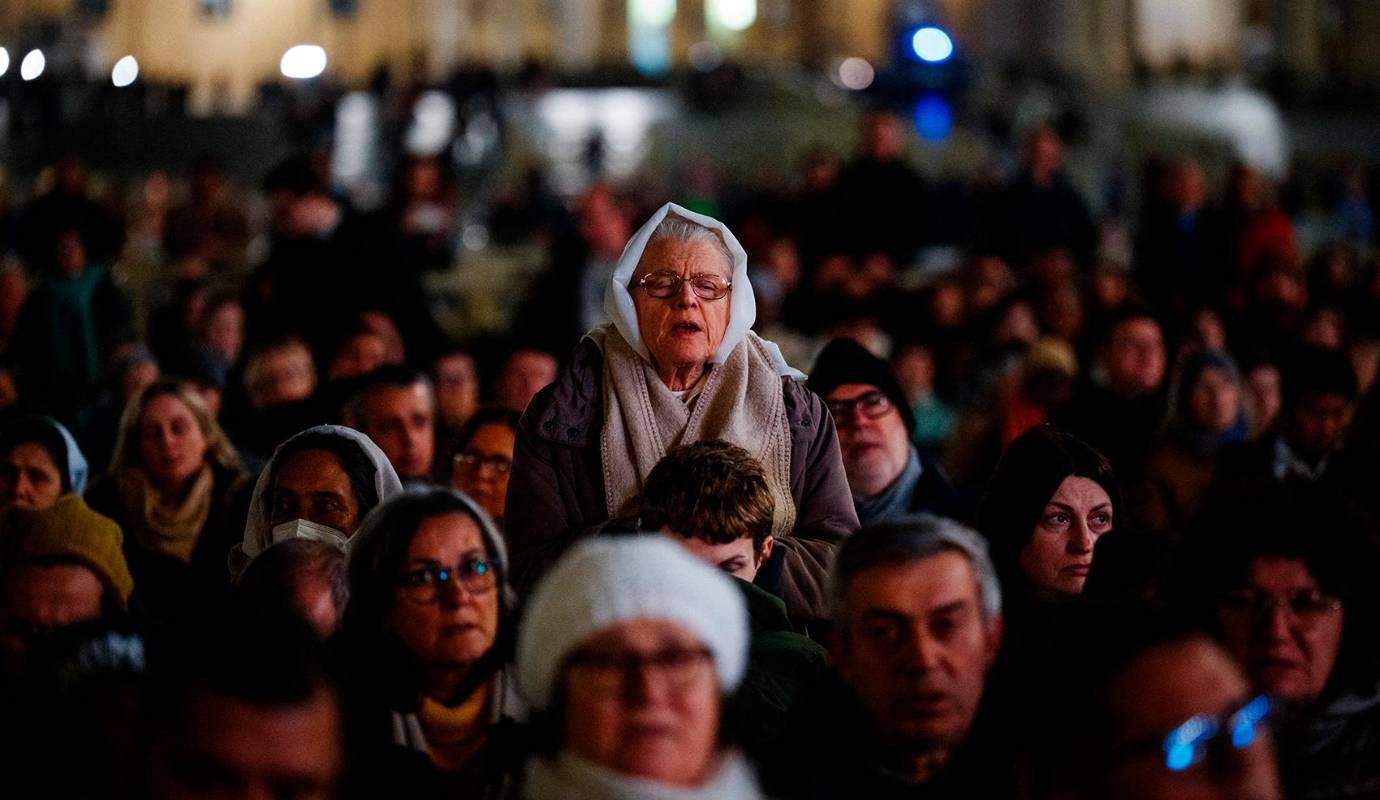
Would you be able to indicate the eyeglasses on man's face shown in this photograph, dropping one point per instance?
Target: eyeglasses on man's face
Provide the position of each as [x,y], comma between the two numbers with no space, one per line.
[608,672]
[423,583]
[665,285]
[873,405]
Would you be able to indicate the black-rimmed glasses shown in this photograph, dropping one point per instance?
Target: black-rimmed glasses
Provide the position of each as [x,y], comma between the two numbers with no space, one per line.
[607,673]
[873,405]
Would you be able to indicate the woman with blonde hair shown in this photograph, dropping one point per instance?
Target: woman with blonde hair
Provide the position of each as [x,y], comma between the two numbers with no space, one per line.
[173,483]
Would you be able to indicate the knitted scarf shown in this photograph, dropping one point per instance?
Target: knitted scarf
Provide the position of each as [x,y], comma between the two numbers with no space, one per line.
[739,401]
[569,777]
[163,527]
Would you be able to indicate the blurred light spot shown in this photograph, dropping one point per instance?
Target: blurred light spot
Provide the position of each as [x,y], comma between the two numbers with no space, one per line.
[706,56]
[651,13]
[475,237]
[4,61]
[32,65]
[735,15]
[433,124]
[303,61]
[932,44]
[934,118]
[856,74]
[125,71]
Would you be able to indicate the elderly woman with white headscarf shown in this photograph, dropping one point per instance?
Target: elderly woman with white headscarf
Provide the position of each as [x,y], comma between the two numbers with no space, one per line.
[678,364]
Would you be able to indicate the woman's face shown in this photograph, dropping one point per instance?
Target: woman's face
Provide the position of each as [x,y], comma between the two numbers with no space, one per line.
[29,477]
[642,699]
[1060,551]
[171,442]
[1283,629]
[481,469]
[452,623]
[312,485]
[683,330]
[1215,401]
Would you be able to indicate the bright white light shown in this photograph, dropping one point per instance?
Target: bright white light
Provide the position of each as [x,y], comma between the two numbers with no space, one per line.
[433,124]
[125,71]
[4,61]
[32,65]
[932,44]
[735,15]
[303,61]
[651,13]
[856,74]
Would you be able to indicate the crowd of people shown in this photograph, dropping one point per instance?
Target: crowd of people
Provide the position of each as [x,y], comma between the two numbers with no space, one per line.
[744,504]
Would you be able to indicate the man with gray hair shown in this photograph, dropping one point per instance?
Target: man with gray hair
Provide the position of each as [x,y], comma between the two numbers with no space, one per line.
[917,627]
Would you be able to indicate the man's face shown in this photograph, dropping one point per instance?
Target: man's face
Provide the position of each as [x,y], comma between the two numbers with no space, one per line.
[1158,691]
[40,598]
[1317,422]
[875,449]
[402,421]
[915,647]
[1134,359]
[738,558]
[524,375]
[224,747]
[457,388]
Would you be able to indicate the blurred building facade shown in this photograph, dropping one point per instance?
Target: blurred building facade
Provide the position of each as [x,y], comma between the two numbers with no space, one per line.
[224,50]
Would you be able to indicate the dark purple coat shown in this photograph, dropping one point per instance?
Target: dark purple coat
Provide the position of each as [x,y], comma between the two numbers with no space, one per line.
[556,493]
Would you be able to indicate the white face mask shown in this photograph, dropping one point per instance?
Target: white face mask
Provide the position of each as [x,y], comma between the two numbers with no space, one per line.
[306,529]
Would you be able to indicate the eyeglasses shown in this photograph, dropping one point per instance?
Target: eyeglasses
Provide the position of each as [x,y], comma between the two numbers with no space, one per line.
[874,404]
[1306,607]
[1195,739]
[1202,736]
[665,285]
[474,462]
[425,584]
[608,673]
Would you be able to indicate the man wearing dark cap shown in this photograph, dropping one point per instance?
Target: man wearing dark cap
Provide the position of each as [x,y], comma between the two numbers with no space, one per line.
[887,474]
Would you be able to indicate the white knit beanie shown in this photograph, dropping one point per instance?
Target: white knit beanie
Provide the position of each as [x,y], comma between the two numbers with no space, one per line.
[603,581]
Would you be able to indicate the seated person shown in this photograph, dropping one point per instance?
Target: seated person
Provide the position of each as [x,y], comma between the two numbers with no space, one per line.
[483,459]
[39,462]
[58,567]
[712,498]
[886,472]
[303,577]
[396,407]
[917,628]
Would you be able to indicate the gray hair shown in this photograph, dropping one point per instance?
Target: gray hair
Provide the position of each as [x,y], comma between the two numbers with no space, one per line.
[680,229]
[915,537]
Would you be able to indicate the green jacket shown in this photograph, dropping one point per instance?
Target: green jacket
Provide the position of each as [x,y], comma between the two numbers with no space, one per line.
[780,663]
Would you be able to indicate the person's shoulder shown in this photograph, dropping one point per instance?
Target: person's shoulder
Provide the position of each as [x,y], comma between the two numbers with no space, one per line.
[803,406]
[565,410]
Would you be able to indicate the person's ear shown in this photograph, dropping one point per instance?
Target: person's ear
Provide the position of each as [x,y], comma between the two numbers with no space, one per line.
[995,629]
[768,544]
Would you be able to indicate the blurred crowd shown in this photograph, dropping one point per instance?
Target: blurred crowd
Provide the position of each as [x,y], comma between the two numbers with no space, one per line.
[754,497]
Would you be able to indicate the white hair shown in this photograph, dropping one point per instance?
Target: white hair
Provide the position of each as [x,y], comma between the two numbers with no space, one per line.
[680,229]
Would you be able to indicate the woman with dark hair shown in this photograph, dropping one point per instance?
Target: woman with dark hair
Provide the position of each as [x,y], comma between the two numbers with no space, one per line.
[426,641]
[1285,575]
[1050,500]
[484,458]
[1206,413]
[39,462]
[320,484]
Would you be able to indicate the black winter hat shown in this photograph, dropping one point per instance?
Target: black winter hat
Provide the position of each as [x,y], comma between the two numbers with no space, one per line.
[845,361]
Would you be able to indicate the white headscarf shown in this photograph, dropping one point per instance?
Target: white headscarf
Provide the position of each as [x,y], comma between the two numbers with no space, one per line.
[258,533]
[618,300]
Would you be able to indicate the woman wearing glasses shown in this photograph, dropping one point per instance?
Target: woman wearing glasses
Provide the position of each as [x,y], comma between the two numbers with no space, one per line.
[627,649]
[426,642]
[1288,580]
[677,364]
[484,459]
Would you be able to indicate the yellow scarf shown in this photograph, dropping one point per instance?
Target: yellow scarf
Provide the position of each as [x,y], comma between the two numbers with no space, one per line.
[455,735]
[162,526]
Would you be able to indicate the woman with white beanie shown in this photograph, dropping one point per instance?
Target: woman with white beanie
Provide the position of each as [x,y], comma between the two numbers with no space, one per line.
[628,648]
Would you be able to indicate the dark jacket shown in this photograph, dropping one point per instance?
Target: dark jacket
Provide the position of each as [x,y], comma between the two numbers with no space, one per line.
[556,493]
[831,751]
[781,663]
[1334,752]
[164,586]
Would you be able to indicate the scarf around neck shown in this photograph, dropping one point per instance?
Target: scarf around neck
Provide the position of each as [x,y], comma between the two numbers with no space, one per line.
[894,499]
[165,526]
[739,401]
[569,777]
